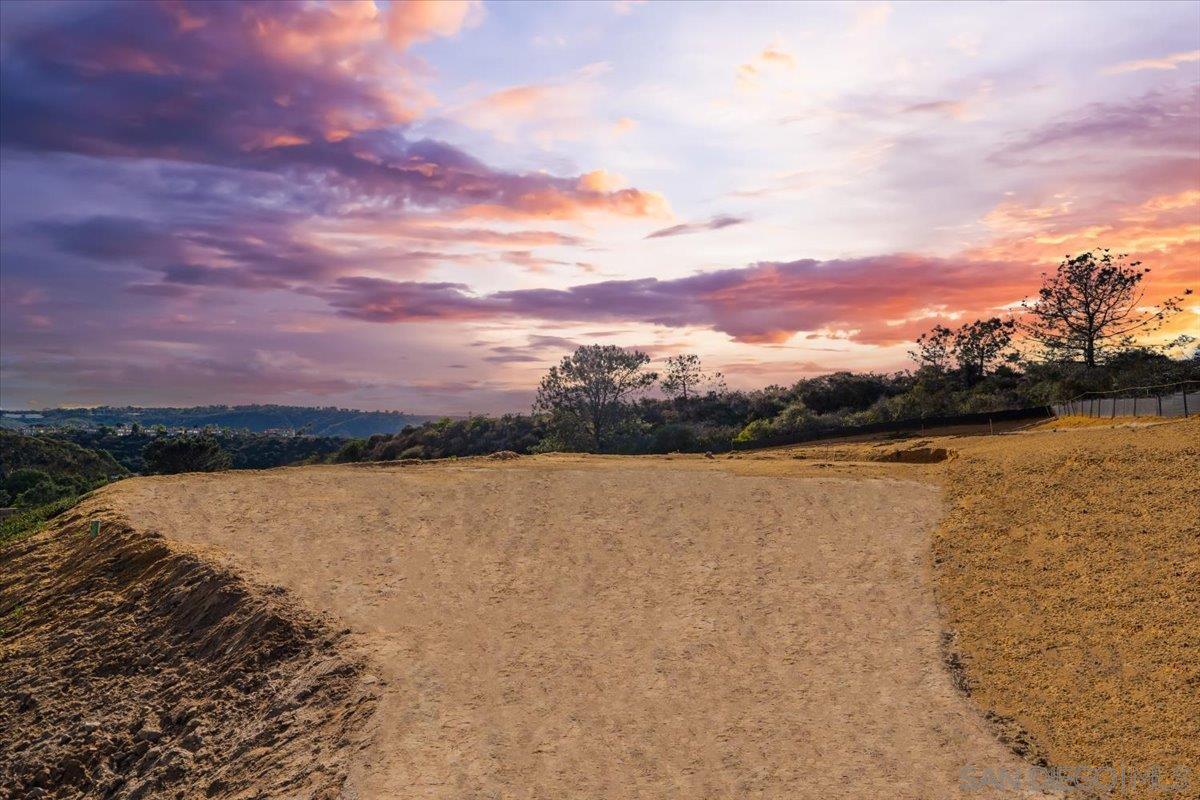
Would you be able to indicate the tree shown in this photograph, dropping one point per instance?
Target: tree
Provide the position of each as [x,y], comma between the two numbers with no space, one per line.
[980,344]
[841,390]
[1092,303]
[190,453]
[934,348]
[684,377]
[589,389]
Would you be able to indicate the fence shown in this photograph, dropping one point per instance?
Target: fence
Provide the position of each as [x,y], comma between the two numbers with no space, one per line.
[1162,400]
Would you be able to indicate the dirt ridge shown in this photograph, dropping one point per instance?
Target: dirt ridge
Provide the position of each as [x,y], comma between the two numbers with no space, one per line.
[133,667]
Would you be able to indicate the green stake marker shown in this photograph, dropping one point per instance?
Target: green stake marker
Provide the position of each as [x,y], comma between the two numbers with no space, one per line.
[95,527]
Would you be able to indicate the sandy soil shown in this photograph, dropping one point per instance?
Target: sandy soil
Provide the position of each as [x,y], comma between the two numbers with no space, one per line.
[559,627]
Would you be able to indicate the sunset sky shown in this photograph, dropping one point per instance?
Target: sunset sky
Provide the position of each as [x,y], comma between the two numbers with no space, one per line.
[421,206]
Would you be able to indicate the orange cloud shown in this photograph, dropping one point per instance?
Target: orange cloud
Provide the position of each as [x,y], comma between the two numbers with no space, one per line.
[553,203]
[1162,231]
[1165,63]
[772,58]
[418,20]
[556,110]
[623,126]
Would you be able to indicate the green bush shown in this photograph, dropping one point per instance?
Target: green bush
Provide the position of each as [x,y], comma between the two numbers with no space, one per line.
[22,480]
[45,492]
[191,453]
[351,451]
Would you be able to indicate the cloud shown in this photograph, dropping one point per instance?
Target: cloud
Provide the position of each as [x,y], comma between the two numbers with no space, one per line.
[950,108]
[414,21]
[532,352]
[716,223]
[1162,121]
[624,125]
[966,107]
[762,303]
[773,58]
[546,112]
[1165,63]
[318,94]
[871,15]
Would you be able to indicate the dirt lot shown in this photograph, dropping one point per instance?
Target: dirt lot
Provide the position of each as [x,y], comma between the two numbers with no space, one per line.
[604,627]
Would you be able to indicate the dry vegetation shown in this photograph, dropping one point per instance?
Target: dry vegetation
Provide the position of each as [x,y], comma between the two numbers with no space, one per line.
[1069,567]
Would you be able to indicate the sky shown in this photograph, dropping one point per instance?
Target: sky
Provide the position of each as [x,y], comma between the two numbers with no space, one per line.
[423,205]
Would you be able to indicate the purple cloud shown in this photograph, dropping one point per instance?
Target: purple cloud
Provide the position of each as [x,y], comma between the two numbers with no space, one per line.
[259,87]
[716,223]
[873,299]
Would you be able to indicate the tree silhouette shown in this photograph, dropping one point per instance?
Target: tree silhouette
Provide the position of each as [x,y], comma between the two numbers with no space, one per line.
[684,377]
[1091,304]
[589,388]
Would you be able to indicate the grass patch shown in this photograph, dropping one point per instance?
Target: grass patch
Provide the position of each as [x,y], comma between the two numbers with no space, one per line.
[30,520]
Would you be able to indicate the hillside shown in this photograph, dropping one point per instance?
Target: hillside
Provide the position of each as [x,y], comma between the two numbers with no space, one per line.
[921,614]
[55,457]
[328,421]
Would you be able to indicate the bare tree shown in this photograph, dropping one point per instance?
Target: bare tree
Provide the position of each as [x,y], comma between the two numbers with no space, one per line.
[1092,303]
[684,377]
[589,389]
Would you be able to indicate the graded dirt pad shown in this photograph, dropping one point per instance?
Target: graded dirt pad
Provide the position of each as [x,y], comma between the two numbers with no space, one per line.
[571,627]
[132,669]
[1069,567]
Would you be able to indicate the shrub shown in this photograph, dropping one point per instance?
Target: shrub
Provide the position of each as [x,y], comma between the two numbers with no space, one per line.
[45,492]
[191,453]
[22,480]
[351,451]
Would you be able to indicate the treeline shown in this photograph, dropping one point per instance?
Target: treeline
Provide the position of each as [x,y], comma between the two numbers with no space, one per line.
[450,437]
[316,421]
[715,419]
[245,450]
[43,475]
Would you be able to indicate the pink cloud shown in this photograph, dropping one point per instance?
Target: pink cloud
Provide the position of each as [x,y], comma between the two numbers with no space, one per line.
[881,300]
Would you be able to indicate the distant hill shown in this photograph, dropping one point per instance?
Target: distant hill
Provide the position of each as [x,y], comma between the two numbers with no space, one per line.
[328,421]
[55,457]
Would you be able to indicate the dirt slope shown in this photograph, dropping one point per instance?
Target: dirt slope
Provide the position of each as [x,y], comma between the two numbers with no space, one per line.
[562,627]
[1069,565]
[130,668]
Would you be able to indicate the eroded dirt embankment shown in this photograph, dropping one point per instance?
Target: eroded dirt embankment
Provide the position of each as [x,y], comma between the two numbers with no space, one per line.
[132,668]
